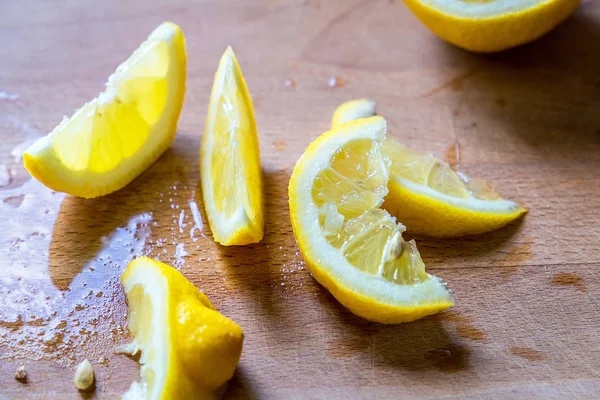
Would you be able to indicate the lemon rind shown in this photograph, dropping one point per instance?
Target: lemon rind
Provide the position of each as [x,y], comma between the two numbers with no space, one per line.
[44,164]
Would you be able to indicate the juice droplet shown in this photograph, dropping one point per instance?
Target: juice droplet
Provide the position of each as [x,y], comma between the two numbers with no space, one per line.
[336,81]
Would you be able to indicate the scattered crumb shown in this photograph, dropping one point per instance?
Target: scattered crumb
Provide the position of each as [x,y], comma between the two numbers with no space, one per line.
[131,349]
[84,375]
[335,81]
[290,83]
[21,374]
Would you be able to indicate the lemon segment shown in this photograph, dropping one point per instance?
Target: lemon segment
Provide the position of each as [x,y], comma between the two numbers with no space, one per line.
[188,350]
[492,25]
[113,138]
[352,246]
[231,174]
[428,196]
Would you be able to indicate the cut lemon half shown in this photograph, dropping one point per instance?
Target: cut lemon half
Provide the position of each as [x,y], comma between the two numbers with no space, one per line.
[429,197]
[230,168]
[188,350]
[352,246]
[491,25]
[112,139]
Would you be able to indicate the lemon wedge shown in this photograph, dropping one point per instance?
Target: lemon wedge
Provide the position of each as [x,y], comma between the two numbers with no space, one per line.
[491,25]
[352,246]
[429,197]
[432,199]
[231,174]
[188,350]
[113,138]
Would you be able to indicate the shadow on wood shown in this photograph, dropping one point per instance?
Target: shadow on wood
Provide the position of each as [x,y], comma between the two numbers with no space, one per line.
[517,90]
[416,346]
[266,255]
[436,252]
[240,386]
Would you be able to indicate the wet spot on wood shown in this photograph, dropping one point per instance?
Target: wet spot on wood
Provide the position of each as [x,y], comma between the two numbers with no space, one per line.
[279,145]
[527,353]
[347,347]
[14,201]
[455,317]
[448,359]
[468,331]
[456,85]
[452,155]
[517,255]
[464,327]
[508,271]
[501,103]
[569,279]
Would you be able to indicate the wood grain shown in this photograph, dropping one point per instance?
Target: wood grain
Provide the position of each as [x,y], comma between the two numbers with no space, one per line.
[527,312]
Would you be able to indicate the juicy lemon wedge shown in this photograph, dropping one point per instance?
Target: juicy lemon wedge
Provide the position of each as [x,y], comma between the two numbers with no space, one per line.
[188,349]
[429,197]
[113,138]
[434,200]
[491,25]
[352,246]
[230,168]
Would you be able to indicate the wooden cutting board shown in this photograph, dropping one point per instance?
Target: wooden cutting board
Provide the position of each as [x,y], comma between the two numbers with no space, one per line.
[527,312]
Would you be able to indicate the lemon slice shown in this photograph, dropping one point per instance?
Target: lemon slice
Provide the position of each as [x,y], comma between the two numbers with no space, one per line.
[491,25]
[188,349]
[230,160]
[429,197]
[352,246]
[112,139]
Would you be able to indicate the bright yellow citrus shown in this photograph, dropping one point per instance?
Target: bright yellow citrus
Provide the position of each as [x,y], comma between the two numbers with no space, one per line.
[432,199]
[231,174]
[491,25]
[352,110]
[188,349]
[113,138]
[352,246]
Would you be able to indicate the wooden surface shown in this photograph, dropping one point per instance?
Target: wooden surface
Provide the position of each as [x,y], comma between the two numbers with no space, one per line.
[527,312]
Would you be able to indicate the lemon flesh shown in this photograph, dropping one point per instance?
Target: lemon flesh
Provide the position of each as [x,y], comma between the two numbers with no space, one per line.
[428,196]
[230,160]
[491,25]
[113,138]
[352,246]
[188,350]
